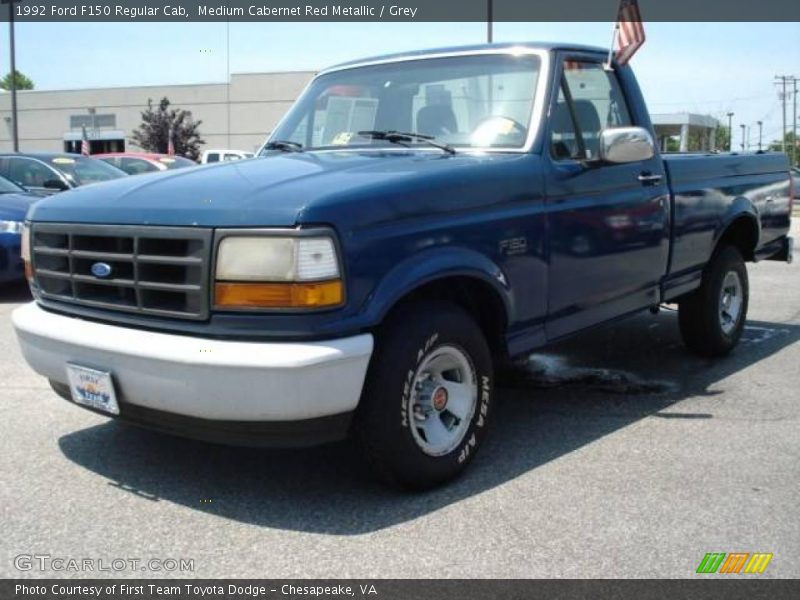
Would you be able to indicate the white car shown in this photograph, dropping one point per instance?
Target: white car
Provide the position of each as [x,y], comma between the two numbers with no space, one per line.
[212,156]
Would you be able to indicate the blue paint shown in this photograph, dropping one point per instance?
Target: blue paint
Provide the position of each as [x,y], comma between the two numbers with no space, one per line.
[14,204]
[597,243]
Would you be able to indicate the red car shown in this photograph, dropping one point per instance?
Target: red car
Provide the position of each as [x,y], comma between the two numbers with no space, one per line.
[134,163]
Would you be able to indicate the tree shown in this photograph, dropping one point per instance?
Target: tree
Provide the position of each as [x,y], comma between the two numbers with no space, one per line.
[792,147]
[157,121]
[723,140]
[22,81]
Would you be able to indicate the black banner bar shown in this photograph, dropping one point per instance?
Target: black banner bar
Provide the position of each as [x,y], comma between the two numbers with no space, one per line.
[735,587]
[396,10]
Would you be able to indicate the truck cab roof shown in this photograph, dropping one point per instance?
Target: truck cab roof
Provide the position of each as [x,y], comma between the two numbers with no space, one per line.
[469,49]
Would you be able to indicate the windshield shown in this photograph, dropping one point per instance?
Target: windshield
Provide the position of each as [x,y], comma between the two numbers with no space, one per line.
[476,101]
[83,171]
[8,187]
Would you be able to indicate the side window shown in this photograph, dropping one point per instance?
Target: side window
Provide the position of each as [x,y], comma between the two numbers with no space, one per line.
[30,173]
[212,157]
[597,102]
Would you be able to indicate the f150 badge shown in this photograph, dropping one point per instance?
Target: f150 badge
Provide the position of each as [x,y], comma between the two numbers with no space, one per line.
[513,246]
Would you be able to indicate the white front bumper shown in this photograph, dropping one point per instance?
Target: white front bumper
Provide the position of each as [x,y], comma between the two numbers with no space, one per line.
[204,378]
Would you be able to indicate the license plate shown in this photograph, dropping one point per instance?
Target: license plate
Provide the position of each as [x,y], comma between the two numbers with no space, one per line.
[92,388]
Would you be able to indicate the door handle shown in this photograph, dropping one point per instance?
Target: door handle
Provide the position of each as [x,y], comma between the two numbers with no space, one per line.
[649,178]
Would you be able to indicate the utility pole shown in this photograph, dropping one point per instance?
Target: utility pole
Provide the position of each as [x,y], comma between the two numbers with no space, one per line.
[783,79]
[14,119]
[730,132]
[228,75]
[743,126]
[794,124]
[489,19]
[760,125]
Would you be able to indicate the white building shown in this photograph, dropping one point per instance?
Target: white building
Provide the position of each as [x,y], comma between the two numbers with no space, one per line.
[682,126]
[53,120]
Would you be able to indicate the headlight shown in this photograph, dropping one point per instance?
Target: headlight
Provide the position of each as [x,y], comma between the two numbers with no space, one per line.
[277,272]
[11,226]
[25,251]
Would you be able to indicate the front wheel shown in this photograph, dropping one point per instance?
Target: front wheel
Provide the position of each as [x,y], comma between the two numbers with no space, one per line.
[425,408]
[712,317]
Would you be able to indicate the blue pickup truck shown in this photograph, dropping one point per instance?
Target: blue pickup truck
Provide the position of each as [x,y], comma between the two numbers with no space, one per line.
[414,223]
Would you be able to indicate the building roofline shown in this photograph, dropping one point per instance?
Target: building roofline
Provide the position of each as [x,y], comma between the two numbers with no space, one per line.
[160,85]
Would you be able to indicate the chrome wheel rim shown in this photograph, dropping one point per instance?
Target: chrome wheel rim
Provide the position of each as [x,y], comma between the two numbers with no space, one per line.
[731,299]
[442,400]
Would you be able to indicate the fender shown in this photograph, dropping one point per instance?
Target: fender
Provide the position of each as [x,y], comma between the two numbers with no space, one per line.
[740,207]
[431,265]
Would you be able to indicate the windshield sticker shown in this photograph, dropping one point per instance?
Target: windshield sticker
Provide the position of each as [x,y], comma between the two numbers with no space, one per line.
[342,139]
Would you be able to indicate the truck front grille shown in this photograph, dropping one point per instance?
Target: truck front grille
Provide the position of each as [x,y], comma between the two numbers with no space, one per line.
[150,270]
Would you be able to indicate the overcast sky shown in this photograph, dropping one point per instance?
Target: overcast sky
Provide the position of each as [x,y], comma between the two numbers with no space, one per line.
[710,68]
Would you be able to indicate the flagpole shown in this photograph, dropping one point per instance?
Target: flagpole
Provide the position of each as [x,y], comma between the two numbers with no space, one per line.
[614,35]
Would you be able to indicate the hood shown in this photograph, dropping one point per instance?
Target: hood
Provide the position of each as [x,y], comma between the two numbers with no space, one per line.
[14,207]
[280,190]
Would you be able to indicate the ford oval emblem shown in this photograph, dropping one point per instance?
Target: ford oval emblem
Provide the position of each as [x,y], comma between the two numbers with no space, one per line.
[101,270]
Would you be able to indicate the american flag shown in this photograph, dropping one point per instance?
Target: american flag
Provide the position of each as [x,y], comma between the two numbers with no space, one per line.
[86,149]
[171,143]
[630,32]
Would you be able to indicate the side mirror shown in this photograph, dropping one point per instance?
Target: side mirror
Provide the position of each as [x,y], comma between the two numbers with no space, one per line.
[55,184]
[626,145]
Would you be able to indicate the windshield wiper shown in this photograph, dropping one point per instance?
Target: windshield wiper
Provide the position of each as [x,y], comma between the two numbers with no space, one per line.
[284,146]
[400,137]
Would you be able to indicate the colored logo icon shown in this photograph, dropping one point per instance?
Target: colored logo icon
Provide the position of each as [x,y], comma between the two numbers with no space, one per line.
[734,563]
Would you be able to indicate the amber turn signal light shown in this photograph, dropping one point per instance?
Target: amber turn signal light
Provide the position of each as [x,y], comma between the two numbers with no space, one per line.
[279,295]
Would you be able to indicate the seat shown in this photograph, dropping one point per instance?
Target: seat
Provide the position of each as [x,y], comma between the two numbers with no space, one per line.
[589,123]
[436,120]
[564,142]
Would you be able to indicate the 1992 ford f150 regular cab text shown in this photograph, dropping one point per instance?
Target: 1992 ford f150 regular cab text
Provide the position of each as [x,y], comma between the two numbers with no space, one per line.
[354,279]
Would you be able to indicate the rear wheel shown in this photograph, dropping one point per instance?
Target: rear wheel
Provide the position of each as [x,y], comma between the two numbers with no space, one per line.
[425,408]
[712,317]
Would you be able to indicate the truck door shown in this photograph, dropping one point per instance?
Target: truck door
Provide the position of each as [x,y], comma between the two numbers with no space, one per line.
[608,223]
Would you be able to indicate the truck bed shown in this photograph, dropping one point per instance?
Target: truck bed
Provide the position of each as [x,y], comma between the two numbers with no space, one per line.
[709,189]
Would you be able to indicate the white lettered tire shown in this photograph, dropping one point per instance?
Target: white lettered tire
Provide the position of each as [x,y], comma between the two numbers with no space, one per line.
[426,404]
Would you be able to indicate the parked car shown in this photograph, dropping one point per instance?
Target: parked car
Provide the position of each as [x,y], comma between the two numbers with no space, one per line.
[14,204]
[135,163]
[357,280]
[796,182]
[46,173]
[212,156]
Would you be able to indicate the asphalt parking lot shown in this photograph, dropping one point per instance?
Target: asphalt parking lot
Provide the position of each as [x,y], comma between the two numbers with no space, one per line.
[616,455]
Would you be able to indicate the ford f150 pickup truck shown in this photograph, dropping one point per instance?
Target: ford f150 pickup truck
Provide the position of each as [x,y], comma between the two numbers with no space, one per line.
[412,224]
